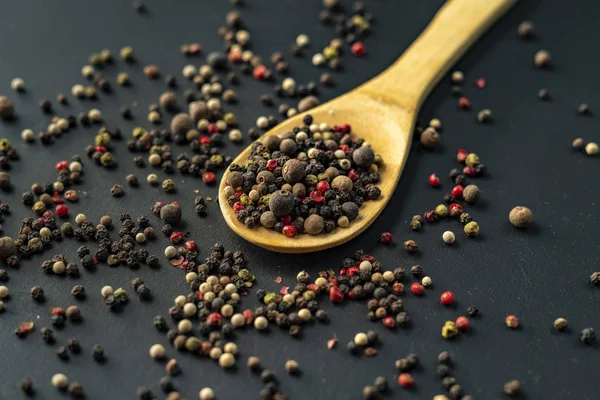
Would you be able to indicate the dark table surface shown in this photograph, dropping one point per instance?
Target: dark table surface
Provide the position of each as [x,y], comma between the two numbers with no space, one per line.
[538,274]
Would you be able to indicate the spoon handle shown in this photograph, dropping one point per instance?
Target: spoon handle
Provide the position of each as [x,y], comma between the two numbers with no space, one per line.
[455,27]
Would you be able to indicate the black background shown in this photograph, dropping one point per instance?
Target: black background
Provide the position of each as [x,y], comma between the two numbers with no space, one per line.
[538,274]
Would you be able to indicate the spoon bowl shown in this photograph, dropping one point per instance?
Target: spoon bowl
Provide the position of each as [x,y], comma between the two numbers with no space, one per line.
[383,112]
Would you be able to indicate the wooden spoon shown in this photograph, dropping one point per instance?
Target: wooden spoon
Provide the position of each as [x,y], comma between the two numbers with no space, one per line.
[383,111]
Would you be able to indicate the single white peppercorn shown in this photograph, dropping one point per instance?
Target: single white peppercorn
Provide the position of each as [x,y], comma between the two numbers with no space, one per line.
[106,291]
[304,314]
[140,237]
[59,381]
[3,292]
[292,367]
[180,300]
[191,277]
[58,267]
[318,59]
[448,237]
[17,84]
[184,326]
[207,394]
[27,135]
[80,219]
[157,351]
[426,281]
[95,115]
[190,309]
[226,360]
[170,252]
[235,135]
[238,320]
[152,179]
[365,266]
[261,323]
[231,348]
[302,40]
[361,339]
[591,149]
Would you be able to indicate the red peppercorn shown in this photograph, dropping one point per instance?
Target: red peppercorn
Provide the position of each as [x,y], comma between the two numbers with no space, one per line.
[190,245]
[235,56]
[335,294]
[248,316]
[62,165]
[344,147]
[323,186]
[455,210]
[447,298]
[289,231]
[56,199]
[47,214]
[429,216]
[457,191]
[346,128]
[57,311]
[259,72]
[352,271]
[214,319]
[316,196]
[398,287]
[469,170]
[464,103]
[480,83]
[354,175]
[271,165]
[434,181]
[389,322]
[62,210]
[204,139]
[386,238]
[461,155]
[100,149]
[212,128]
[417,288]
[512,321]
[287,220]
[462,323]
[406,380]
[312,287]
[358,49]
[237,206]
[176,237]
[208,177]
[175,203]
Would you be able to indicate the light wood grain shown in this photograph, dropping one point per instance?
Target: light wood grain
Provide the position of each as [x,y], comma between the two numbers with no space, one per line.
[383,111]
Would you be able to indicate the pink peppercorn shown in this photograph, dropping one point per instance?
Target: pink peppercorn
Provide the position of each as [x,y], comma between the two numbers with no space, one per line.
[248,316]
[434,181]
[317,196]
[62,210]
[354,175]
[480,83]
[323,186]
[191,245]
[461,155]
[238,206]
[429,216]
[271,165]
[417,288]
[100,149]
[176,237]
[358,49]
[464,103]
[204,139]
[457,191]
[208,177]
[335,294]
[469,170]
[259,72]
[389,322]
[289,231]
[214,319]
[455,209]
[462,323]
[447,298]
[406,380]
[386,238]
[346,128]
[62,165]
[287,220]
[512,321]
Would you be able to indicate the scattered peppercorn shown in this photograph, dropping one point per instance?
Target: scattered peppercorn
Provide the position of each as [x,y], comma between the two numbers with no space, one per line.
[520,217]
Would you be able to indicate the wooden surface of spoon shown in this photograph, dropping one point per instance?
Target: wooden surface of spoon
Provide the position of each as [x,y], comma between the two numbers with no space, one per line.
[382,111]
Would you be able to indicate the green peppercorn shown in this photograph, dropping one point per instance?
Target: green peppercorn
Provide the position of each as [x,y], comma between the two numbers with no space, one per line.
[127,53]
[441,210]
[472,229]
[168,185]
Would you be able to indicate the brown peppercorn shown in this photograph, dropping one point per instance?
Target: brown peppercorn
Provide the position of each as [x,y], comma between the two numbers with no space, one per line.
[314,224]
[471,194]
[4,180]
[430,138]
[198,110]
[288,146]
[560,324]
[7,108]
[578,144]
[181,123]
[363,156]
[521,217]
[307,103]
[512,388]
[281,203]
[73,313]
[172,368]
[342,183]
[254,363]
[326,79]
[7,247]
[151,71]
[541,59]
[235,179]
[299,190]
[168,101]
[170,214]
[293,171]
[525,30]
[271,142]
[411,246]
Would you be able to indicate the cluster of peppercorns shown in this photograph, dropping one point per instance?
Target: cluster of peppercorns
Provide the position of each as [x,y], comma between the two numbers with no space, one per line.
[100,151]
[444,371]
[7,154]
[69,174]
[312,180]
[469,194]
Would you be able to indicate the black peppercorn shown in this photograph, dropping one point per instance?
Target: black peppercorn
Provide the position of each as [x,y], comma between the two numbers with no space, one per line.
[588,336]
[62,353]
[47,335]
[472,311]
[74,346]
[37,293]
[98,353]
[78,291]
[26,386]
